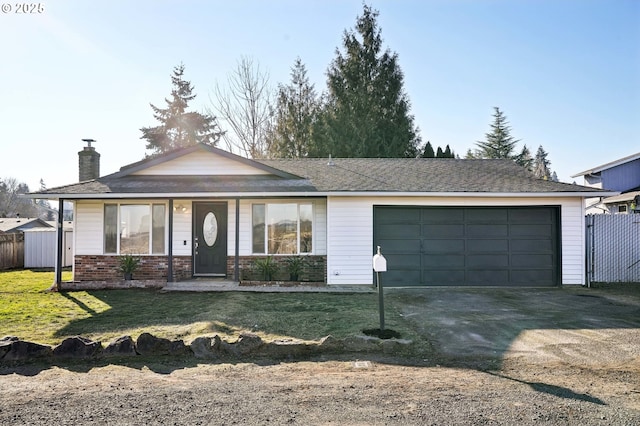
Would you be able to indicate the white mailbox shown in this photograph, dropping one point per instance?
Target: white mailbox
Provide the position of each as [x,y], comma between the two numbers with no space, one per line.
[379,262]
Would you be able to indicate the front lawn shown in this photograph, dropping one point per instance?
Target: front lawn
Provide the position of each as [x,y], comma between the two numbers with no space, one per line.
[29,311]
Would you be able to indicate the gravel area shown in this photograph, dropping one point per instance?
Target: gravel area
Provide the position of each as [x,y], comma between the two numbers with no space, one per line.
[355,392]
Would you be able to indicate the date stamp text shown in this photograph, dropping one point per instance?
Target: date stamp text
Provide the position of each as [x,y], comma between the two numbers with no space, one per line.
[22,8]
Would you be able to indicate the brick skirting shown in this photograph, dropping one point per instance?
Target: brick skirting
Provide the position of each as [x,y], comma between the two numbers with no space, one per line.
[155,268]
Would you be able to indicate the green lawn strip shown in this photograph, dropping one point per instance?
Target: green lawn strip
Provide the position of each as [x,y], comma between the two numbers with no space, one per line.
[31,313]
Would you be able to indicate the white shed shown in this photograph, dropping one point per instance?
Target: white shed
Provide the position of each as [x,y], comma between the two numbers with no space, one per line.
[40,247]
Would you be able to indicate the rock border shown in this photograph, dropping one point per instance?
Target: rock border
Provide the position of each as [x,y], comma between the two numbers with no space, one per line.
[14,350]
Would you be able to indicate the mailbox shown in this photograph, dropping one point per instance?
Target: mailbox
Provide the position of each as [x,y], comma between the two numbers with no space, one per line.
[379,262]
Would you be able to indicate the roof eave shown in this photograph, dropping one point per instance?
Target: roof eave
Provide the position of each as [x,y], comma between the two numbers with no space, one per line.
[262,194]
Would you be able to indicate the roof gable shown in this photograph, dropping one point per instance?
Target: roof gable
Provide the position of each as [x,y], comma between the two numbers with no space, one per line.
[9,224]
[198,160]
[609,165]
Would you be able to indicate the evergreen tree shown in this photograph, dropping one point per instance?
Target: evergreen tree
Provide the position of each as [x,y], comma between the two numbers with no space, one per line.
[367,111]
[541,164]
[439,153]
[295,116]
[499,143]
[428,151]
[524,159]
[178,127]
[448,153]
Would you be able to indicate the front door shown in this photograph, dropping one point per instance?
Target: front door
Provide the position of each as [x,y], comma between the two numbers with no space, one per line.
[210,239]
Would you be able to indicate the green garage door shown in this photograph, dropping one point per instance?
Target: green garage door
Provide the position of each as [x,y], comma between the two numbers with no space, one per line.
[483,246]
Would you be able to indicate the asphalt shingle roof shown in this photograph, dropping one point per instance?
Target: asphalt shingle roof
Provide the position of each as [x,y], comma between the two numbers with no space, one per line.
[424,175]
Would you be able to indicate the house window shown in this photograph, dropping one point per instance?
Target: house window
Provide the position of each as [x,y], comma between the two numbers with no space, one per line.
[282,228]
[622,208]
[134,228]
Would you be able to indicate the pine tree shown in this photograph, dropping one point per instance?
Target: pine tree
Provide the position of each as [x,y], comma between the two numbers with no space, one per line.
[295,116]
[448,153]
[524,159]
[367,111]
[499,143]
[439,153]
[541,164]
[428,151]
[178,127]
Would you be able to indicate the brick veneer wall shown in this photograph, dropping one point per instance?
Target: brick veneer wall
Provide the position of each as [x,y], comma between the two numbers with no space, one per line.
[315,268]
[105,268]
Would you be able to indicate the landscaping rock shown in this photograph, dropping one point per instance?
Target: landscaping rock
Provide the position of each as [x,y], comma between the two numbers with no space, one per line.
[331,344]
[18,350]
[246,344]
[148,344]
[122,346]
[206,347]
[288,348]
[77,347]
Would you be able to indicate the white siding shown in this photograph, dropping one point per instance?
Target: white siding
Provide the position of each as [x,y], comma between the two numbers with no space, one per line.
[350,232]
[88,235]
[202,163]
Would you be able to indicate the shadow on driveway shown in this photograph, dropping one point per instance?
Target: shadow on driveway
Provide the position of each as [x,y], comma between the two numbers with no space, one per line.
[577,326]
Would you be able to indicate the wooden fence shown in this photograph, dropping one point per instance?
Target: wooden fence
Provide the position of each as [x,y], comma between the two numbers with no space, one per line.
[11,251]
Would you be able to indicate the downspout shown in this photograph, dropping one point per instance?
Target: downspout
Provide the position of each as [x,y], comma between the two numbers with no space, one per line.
[236,262]
[170,244]
[59,251]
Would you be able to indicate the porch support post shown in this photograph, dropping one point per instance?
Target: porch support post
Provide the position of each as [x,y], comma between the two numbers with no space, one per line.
[236,263]
[59,250]
[170,244]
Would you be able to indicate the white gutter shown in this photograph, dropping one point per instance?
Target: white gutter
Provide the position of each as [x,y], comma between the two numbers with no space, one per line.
[318,194]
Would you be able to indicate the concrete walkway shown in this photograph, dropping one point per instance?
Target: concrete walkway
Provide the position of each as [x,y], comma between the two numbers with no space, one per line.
[225,285]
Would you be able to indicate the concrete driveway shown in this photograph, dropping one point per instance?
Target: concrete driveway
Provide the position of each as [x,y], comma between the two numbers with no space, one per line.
[574,325]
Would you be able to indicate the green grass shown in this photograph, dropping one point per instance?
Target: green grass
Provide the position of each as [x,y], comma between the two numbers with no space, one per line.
[29,311]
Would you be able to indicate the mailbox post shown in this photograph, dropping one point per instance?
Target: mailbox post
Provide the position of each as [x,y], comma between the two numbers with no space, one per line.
[380,265]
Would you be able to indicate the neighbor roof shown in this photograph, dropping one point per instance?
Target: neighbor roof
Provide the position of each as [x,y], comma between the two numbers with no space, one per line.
[8,224]
[609,165]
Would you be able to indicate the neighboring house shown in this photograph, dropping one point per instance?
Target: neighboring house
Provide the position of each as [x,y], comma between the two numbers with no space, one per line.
[204,212]
[18,224]
[622,175]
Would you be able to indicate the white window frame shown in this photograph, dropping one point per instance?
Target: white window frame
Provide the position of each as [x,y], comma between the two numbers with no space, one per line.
[266,227]
[149,204]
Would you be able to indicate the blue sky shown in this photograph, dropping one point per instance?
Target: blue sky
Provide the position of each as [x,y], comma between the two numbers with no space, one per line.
[565,72]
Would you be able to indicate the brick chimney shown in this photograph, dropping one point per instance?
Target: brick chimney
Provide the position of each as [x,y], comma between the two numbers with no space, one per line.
[88,162]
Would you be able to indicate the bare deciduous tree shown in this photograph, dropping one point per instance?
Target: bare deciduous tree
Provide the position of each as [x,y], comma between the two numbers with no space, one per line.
[245,107]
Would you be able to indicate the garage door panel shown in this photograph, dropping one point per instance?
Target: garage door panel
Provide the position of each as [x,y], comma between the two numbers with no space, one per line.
[486,215]
[399,230]
[487,231]
[532,246]
[440,215]
[538,277]
[443,261]
[402,261]
[400,278]
[481,261]
[443,230]
[443,246]
[532,261]
[526,230]
[443,277]
[476,246]
[488,246]
[401,246]
[487,277]
[533,215]
[397,215]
